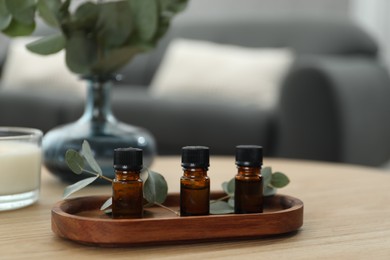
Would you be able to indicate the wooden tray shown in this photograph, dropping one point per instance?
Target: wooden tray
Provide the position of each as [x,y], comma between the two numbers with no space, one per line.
[80,220]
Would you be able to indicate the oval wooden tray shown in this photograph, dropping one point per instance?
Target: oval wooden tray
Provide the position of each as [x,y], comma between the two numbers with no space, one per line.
[80,220]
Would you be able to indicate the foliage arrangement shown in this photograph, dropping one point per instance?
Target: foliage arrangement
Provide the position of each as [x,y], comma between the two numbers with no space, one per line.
[156,187]
[271,181]
[98,37]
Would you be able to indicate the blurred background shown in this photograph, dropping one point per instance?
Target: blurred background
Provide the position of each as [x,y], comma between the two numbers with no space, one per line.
[306,79]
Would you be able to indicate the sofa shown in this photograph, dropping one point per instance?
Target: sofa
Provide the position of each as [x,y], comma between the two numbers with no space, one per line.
[332,104]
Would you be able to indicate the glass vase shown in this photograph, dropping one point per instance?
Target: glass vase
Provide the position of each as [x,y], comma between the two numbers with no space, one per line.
[101,129]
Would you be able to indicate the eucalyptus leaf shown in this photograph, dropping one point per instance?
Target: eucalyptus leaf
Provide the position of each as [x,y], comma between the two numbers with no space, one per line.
[146,17]
[64,13]
[231,201]
[269,191]
[47,45]
[114,59]
[88,155]
[5,16]
[224,187]
[266,172]
[74,161]
[15,28]
[144,175]
[220,207]
[78,186]
[279,180]
[5,21]
[80,52]
[168,8]
[155,188]
[49,10]
[22,11]
[228,187]
[86,15]
[106,204]
[114,23]
[171,7]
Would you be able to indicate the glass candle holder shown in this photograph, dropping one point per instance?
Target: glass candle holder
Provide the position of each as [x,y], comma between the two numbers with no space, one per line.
[20,166]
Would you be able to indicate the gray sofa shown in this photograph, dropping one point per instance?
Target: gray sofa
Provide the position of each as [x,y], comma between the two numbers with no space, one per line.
[333,103]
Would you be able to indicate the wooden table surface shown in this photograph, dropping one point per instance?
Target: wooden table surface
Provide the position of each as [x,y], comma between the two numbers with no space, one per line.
[346,216]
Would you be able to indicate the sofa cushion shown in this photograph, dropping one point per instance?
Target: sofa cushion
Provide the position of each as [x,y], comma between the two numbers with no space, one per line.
[24,70]
[210,71]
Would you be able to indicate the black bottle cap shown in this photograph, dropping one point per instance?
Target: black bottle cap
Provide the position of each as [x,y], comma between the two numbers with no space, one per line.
[195,156]
[249,155]
[128,159]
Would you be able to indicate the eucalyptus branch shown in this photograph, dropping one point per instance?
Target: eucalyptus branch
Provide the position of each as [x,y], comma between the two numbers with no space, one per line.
[221,199]
[98,175]
[169,209]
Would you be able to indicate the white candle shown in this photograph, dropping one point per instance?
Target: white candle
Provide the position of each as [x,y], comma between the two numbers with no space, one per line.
[20,167]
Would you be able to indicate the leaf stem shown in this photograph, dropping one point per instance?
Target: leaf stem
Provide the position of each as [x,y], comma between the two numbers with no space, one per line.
[165,207]
[220,199]
[97,174]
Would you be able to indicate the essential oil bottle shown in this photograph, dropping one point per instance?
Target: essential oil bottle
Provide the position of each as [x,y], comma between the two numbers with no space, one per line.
[127,193]
[195,184]
[248,195]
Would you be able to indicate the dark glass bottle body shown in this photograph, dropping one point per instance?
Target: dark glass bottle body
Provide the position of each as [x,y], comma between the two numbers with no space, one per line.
[248,195]
[127,199]
[127,187]
[194,192]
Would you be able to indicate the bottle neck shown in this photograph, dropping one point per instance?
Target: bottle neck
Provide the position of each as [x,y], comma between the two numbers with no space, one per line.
[98,106]
[246,170]
[123,175]
[195,172]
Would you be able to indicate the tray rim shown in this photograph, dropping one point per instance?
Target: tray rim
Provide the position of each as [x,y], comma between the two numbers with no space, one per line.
[58,214]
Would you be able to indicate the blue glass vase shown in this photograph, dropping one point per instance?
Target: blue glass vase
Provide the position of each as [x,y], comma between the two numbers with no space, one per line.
[101,129]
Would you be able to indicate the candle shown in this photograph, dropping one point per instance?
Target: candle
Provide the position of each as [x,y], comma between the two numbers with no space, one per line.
[20,167]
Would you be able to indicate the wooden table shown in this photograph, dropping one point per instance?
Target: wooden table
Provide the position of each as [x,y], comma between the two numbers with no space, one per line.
[347,216]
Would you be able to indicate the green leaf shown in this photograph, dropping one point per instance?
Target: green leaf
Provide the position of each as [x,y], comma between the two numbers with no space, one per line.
[171,7]
[266,173]
[228,187]
[49,10]
[47,45]
[115,59]
[81,52]
[78,186]
[16,28]
[231,201]
[22,10]
[279,180]
[144,175]
[75,161]
[5,16]
[155,188]
[146,17]
[88,155]
[269,191]
[220,207]
[64,13]
[224,187]
[114,23]
[106,204]
[86,15]
[168,8]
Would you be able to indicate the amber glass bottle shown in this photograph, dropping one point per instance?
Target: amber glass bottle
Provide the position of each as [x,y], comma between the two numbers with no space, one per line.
[195,184]
[248,195]
[127,193]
